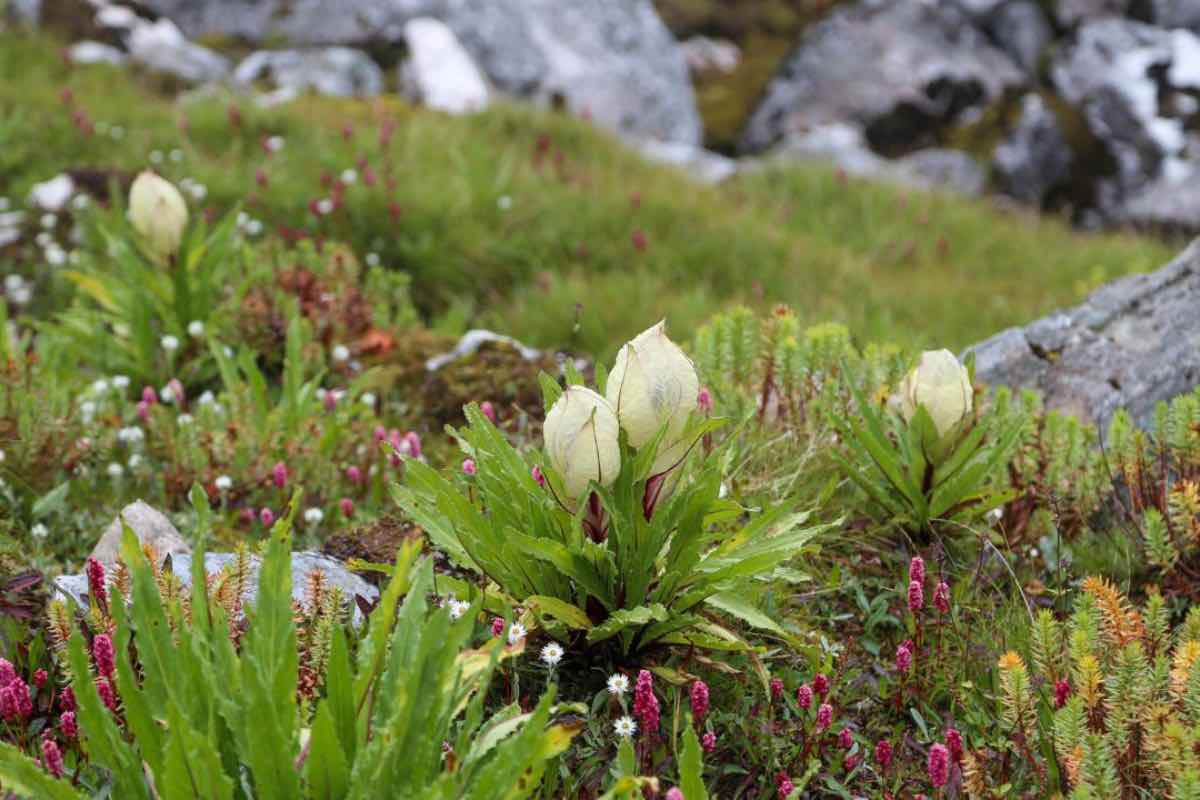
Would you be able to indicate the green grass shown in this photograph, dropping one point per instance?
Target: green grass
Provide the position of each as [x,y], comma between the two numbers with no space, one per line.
[559,266]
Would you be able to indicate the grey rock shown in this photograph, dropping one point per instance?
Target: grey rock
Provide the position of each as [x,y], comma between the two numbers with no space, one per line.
[615,61]
[1034,158]
[75,587]
[897,68]
[53,194]
[87,52]
[149,525]
[1169,203]
[1168,13]
[439,71]
[953,170]
[980,9]
[470,343]
[1132,343]
[338,71]
[120,19]
[704,54]
[162,47]
[23,12]
[701,165]
[1074,12]
[840,143]
[1022,30]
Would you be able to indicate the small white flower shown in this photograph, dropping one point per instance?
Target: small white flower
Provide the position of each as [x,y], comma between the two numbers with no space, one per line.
[368,399]
[504,202]
[177,155]
[183,420]
[458,608]
[55,256]
[13,282]
[625,727]
[372,259]
[22,296]
[43,240]
[167,394]
[156,157]
[169,343]
[87,410]
[121,381]
[4,204]
[349,176]
[223,483]
[516,632]
[135,460]
[130,435]
[115,470]
[314,515]
[49,221]
[254,228]
[195,329]
[80,202]
[275,143]
[199,190]
[618,684]
[552,654]
[341,353]
[100,386]
[324,206]
[2,456]
[39,531]
[1033,552]
[117,132]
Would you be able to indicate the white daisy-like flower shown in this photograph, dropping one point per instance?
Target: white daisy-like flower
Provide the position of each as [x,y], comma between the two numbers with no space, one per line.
[135,460]
[223,483]
[324,206]
[130,435]
[207,398]
[117,132]
[49,221]
[199,190]
[458,608]
[368,399]
[254,227]
[314,515]
[275,143]
[121,381]
[39,531]
[55,256]
[349,176]
[169,343]
[80,202]
[618,684]
[372,259]
[340,353]
[12,282]
[22,296]
[504,202]
[177,155]
[166,394]
[115,470]
[156,157]
[516,632]
[625,727]
[184,420]
[43,240]
[87,410]
[552,654]
[195,329]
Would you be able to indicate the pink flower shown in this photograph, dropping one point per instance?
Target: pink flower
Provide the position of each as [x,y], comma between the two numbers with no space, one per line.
[824,717]
[414,444]
[267,517]
[675,793]
[96,587]
[821,684]
[353,474]
[538,477]
[8,673]
[8,703]
[639,241]
[279,474]
[497,626]
[347,506]
[804,696]
[699,696]
[22,697]
[149,396]
[776,689]
[708,742]
[845,739]
[916,597]
[785,786]
[40,677]
[488,410]
[1062,692]
[52,758]
[330,401]
[852,761]
[941,597]
[468,466]
[645,704]
[883,753]
[103,655]
[67,722]
[903,658]
[916,569]
[143,410]
[66,698]
[381,433]
[704,401]
[939,765]
[955,743]
[107,695]
[176,387]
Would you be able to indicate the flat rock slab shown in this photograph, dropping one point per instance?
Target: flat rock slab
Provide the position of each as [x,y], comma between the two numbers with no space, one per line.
[75,587]
[150,526]
[1131,344]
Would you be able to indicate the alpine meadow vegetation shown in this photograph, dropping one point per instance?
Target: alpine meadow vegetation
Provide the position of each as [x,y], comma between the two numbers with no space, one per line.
[782,543]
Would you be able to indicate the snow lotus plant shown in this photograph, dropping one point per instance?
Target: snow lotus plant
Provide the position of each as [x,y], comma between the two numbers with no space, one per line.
[617,532]
[929,456]
[399,704]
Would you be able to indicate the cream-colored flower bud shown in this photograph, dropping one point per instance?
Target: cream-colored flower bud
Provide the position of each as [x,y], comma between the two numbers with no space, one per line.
[942,385]
[653,383]
[158,212]
[581,434]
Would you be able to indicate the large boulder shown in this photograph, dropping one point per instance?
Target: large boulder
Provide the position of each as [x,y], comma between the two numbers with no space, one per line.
[337,71]
[616,62]
[1034,158]
[1021,29]
[1168,13]
[161,46]
[1075,12]
[150,526]
[899,69]
[1131,344]
[439,72]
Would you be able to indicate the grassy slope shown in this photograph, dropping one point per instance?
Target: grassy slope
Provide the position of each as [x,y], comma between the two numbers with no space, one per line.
[914,267]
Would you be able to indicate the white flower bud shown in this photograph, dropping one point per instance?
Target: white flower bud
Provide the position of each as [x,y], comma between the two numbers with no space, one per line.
[940,384]
[158,212]
[581,434]
[653,383]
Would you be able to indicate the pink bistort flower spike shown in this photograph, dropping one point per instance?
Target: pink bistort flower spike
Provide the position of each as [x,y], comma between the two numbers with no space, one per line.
[939,765]
[820,684]
[916,597]
[941,597]
[468,466]
[103,654]
[67,722]
[804,696]
[645,704]
[883,753]
[955,744]
[824,717]
[488,410]
[279,474]
[699,697]
[916,570]
[52,758]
